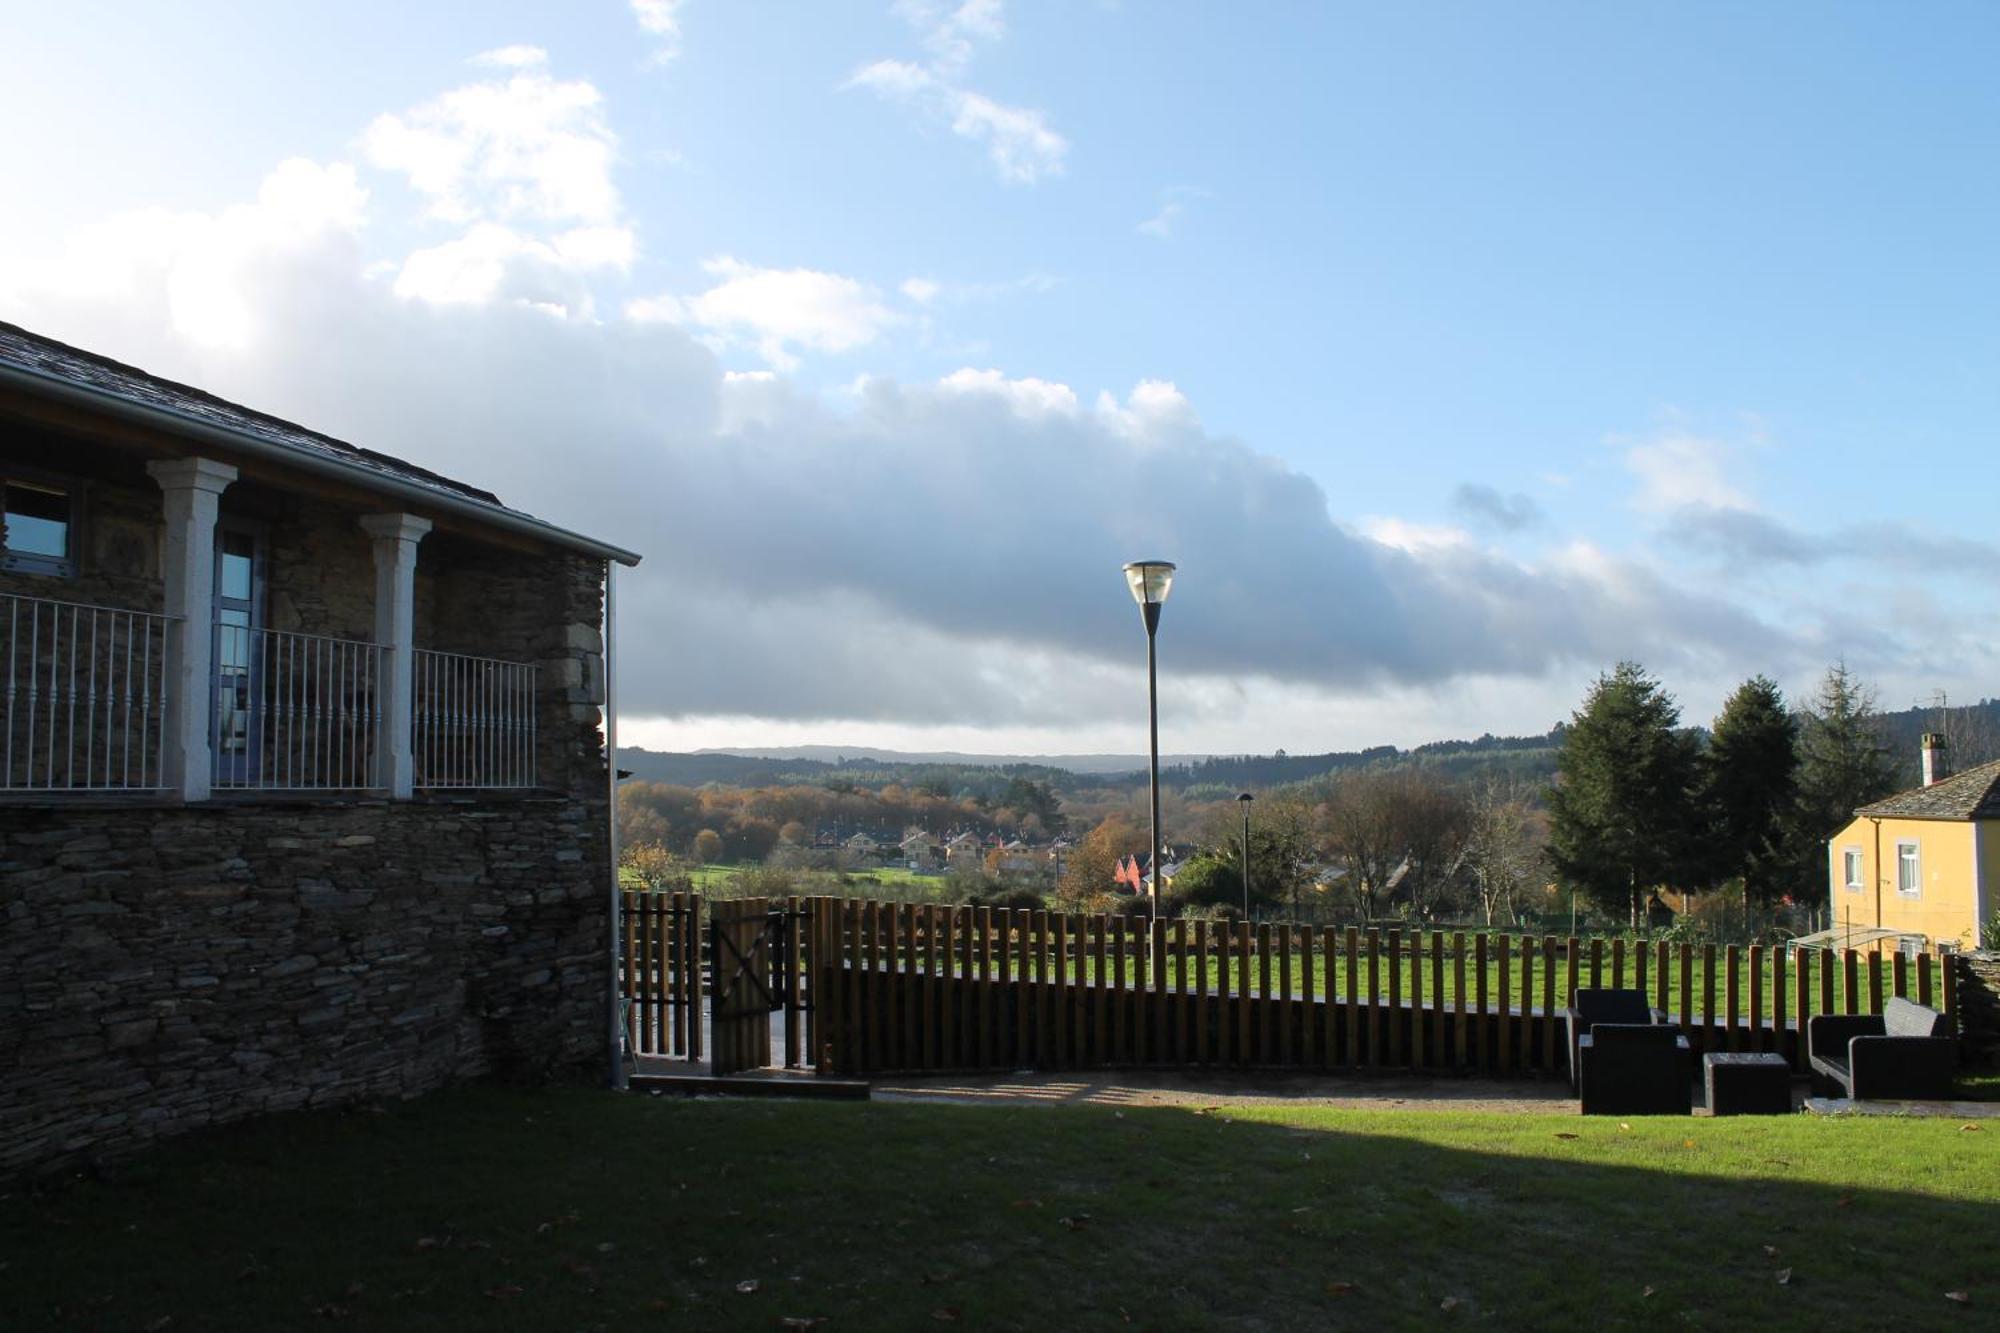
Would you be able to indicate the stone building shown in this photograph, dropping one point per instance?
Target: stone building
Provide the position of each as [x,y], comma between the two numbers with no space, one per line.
[303,780]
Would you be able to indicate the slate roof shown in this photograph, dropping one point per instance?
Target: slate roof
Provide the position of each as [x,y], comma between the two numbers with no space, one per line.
[46,356]
[1973,794]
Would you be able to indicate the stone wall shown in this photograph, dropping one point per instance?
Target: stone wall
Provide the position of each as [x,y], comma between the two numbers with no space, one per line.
[1979,1006]
[163,969]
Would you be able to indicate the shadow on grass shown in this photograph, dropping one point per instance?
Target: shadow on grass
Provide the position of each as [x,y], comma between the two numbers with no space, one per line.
[497,1209]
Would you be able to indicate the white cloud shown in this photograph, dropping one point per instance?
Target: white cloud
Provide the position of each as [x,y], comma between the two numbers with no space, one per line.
[1173,203]
[197,275]
[513,57]
[777,311]
[1019,141]
[526,147]
[1161,224]
[921,290]
[1416,538]
[494,263]
[660,20]
[1028,396]
[1676,469]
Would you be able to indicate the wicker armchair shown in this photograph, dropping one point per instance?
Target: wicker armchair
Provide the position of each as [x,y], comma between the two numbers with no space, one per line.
[1591,1005]
[1634,1069]
[1906,1051]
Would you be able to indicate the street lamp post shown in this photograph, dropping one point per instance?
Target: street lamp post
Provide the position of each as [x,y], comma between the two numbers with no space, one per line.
[1150,581]
[1244,801]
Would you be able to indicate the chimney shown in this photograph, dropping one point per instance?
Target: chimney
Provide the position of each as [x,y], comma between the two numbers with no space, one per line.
[1937,767]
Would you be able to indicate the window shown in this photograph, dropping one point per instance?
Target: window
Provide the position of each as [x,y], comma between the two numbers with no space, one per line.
[1909,881]
[41,527]
[1850,875]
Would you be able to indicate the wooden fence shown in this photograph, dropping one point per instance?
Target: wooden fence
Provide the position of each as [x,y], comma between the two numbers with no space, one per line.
[661,973]
[904,987]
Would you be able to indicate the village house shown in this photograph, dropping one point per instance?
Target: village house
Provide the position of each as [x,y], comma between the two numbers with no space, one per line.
[917,851]
[1920,868]
[966,848]
[303,781]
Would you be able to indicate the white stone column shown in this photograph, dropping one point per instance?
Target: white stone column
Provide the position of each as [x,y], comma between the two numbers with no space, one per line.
[193,489]
[396,537]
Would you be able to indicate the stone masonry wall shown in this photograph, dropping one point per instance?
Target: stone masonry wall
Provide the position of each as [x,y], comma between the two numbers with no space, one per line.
[163,969]
[1979,1006]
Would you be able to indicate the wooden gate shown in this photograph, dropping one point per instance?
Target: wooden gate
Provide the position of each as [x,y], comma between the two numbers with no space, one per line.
[742,999]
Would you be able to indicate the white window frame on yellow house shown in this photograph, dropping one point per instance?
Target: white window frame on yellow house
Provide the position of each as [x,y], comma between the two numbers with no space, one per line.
[1915,861]
[1852,864]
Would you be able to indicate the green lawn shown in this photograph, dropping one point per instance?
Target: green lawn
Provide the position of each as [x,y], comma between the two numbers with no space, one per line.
[577,1210]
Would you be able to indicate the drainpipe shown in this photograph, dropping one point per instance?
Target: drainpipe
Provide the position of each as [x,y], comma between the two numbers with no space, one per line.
[1876,825]
[616,1044]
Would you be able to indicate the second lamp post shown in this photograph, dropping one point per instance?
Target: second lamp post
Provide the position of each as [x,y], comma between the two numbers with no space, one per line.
[1149,581]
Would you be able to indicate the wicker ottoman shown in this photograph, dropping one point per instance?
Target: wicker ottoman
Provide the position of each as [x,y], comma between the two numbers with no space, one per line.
[1745,1083]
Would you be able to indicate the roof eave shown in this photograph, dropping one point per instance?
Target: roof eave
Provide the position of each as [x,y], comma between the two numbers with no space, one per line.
[186,424]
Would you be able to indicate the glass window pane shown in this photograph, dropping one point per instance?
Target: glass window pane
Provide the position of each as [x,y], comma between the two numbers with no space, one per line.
[37,521]
[237,553]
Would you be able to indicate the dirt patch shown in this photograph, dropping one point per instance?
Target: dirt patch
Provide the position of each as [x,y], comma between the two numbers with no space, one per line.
[1133,1088]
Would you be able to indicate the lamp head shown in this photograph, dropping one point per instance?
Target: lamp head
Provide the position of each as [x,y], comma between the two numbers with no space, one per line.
[1246,798]
[1149,580]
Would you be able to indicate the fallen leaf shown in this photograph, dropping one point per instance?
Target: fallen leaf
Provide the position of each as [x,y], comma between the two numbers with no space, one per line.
[1026,1203]
[1784,1277]
[426,1243]
[1647,1292]
[802,1321]
[1962,1297]
[1564,1135]
[504,1292]
[747,1286]
[1448,1304]
[1843,1201]
[1076,1222]
[1623,1126]
[1687,1143]
[1340,1288]
[1771,1250]
[1969,1128]
[945,1314]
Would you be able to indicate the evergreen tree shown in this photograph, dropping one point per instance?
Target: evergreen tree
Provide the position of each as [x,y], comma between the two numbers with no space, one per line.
[1750,789]
[1621,808]
[1843,763]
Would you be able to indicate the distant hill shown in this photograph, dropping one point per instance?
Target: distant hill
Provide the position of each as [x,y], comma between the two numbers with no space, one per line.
[840,756]
[1974,733]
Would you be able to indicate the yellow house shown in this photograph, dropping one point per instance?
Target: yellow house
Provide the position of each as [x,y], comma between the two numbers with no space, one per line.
[1924,862]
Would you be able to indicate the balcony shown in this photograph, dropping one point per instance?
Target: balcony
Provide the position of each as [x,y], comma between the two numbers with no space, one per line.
[91,706]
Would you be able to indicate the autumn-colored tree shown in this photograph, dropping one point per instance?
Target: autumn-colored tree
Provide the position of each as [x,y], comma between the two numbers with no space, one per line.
[707,849]
[1088,870]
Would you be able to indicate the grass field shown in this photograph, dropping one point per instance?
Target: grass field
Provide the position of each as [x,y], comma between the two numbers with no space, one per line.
[577,1210]
[715,878]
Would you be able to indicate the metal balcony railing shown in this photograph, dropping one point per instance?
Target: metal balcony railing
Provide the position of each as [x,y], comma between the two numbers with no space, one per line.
[294,711]
[86,695]
[473,721]
[87,701]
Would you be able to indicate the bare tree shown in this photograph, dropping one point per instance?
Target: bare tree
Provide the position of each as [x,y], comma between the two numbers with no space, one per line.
[1504,845]
[1436,822]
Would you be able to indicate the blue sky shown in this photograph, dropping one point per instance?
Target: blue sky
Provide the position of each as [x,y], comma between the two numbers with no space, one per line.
[1456,351]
